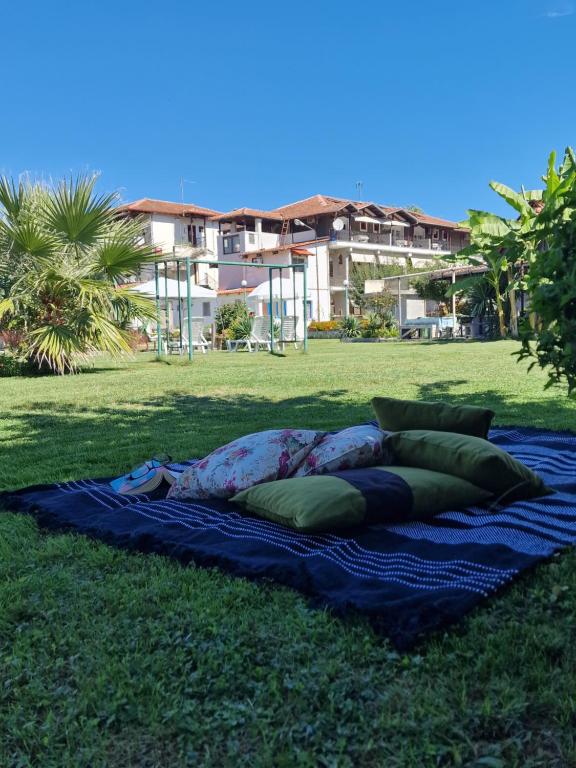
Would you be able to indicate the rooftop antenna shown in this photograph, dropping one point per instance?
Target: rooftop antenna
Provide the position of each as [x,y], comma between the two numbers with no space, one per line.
[359,189]
[182,182]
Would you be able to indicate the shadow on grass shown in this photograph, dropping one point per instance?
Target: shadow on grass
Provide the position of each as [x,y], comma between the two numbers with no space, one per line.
[45,442]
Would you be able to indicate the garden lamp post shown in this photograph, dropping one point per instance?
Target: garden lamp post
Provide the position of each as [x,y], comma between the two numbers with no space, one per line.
[346,284]
[244,283]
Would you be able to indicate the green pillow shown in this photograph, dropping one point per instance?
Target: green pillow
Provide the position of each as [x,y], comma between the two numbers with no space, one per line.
[318,502]
[435,492]
[396,415]
[470,458]
[349,498]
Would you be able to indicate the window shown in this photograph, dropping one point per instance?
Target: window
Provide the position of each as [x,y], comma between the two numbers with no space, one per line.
[231,244]
[257,260]
[435,234]
[206,309]
[340,259]
[363,226]
[376,228]
[444,235]
[298,259]
[251,238]
[331,268]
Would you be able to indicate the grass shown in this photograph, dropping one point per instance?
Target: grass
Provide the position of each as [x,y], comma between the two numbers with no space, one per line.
[110,659]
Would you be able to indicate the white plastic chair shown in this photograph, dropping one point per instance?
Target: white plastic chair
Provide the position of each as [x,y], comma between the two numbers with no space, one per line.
[260,333]
[288,331]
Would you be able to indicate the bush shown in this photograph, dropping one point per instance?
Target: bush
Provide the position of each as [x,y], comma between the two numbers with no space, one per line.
[324,325]
[13,366]
[240,328]
[137,339]
[351,327]
[227,314]
[12,338]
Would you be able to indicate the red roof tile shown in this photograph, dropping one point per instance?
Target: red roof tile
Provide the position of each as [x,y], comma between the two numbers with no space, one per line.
[147,205]
[240,213]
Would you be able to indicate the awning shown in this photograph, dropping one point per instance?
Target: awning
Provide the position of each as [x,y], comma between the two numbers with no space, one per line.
[394,223]
[384,222]
[284,287]
[196,291]
[301,252]
[367,220]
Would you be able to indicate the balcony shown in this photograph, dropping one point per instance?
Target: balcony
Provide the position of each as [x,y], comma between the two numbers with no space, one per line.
[388,240]
[245,241]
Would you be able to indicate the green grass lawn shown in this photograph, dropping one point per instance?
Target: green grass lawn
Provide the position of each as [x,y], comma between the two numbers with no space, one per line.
[110,659]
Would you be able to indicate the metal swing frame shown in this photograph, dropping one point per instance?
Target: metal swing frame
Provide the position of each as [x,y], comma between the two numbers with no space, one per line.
[163,348]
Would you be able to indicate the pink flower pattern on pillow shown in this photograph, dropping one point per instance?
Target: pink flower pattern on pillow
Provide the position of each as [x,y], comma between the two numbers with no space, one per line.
[256,458]
[361,446]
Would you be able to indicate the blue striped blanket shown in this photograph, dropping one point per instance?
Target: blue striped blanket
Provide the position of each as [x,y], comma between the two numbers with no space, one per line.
[410,579]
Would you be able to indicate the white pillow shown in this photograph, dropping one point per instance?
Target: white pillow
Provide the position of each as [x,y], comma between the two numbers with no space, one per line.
[252,459]
[361,446]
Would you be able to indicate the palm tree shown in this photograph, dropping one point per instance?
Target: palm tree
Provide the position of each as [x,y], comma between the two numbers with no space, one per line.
[64,256]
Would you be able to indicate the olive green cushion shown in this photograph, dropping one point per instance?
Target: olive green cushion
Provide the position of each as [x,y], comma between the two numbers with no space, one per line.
[331,502]
[470,458]
[435,492]
[396,415]
[321,502]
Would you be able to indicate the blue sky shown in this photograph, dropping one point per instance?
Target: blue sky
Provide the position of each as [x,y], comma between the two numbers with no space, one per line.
[260,103]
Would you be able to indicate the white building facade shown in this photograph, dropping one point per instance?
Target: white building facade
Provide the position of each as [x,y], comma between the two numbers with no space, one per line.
[330,235]
[179,230]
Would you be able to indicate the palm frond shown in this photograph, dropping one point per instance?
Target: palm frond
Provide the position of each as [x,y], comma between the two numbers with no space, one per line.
[77,214]
[56,346]
[11,197]
[120,256]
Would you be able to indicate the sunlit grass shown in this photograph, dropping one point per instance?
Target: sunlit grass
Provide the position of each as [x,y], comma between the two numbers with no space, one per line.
[111,659]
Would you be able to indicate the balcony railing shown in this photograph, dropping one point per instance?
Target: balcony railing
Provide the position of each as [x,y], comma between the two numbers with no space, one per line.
[384,238]
[198,242]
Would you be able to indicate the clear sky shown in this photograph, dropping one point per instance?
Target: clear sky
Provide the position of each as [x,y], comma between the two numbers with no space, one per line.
[262,103]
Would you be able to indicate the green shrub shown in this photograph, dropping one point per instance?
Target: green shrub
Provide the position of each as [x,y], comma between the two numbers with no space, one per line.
[350,327]
[13,366]
[240,327]
[324,325]
[227,314]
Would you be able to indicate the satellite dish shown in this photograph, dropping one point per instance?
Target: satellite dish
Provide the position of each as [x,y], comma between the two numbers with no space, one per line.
[338,224]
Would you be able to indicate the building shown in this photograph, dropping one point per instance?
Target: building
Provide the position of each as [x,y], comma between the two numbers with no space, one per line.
[179,230]
[331,234]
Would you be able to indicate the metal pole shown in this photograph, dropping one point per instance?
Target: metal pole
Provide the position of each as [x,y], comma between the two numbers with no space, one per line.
[305,300]
[179,305]
[453,306]
[294,303]
[346,303]
[271,311]
[281,313]
[189,309]
[158,322]
[399,302]
[166,307]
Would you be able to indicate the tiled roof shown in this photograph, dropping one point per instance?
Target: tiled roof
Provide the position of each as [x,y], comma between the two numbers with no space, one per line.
[423,218]
[311,206]
[147,205]
[316,205]
[239,213]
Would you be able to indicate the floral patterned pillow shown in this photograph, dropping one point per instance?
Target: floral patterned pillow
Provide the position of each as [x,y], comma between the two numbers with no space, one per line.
[252,459]
[361,446]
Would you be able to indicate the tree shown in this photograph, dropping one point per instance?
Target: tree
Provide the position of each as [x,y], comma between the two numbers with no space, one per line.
[496,243]
[432,290]
[541,239]
[550,281]
[64,255]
